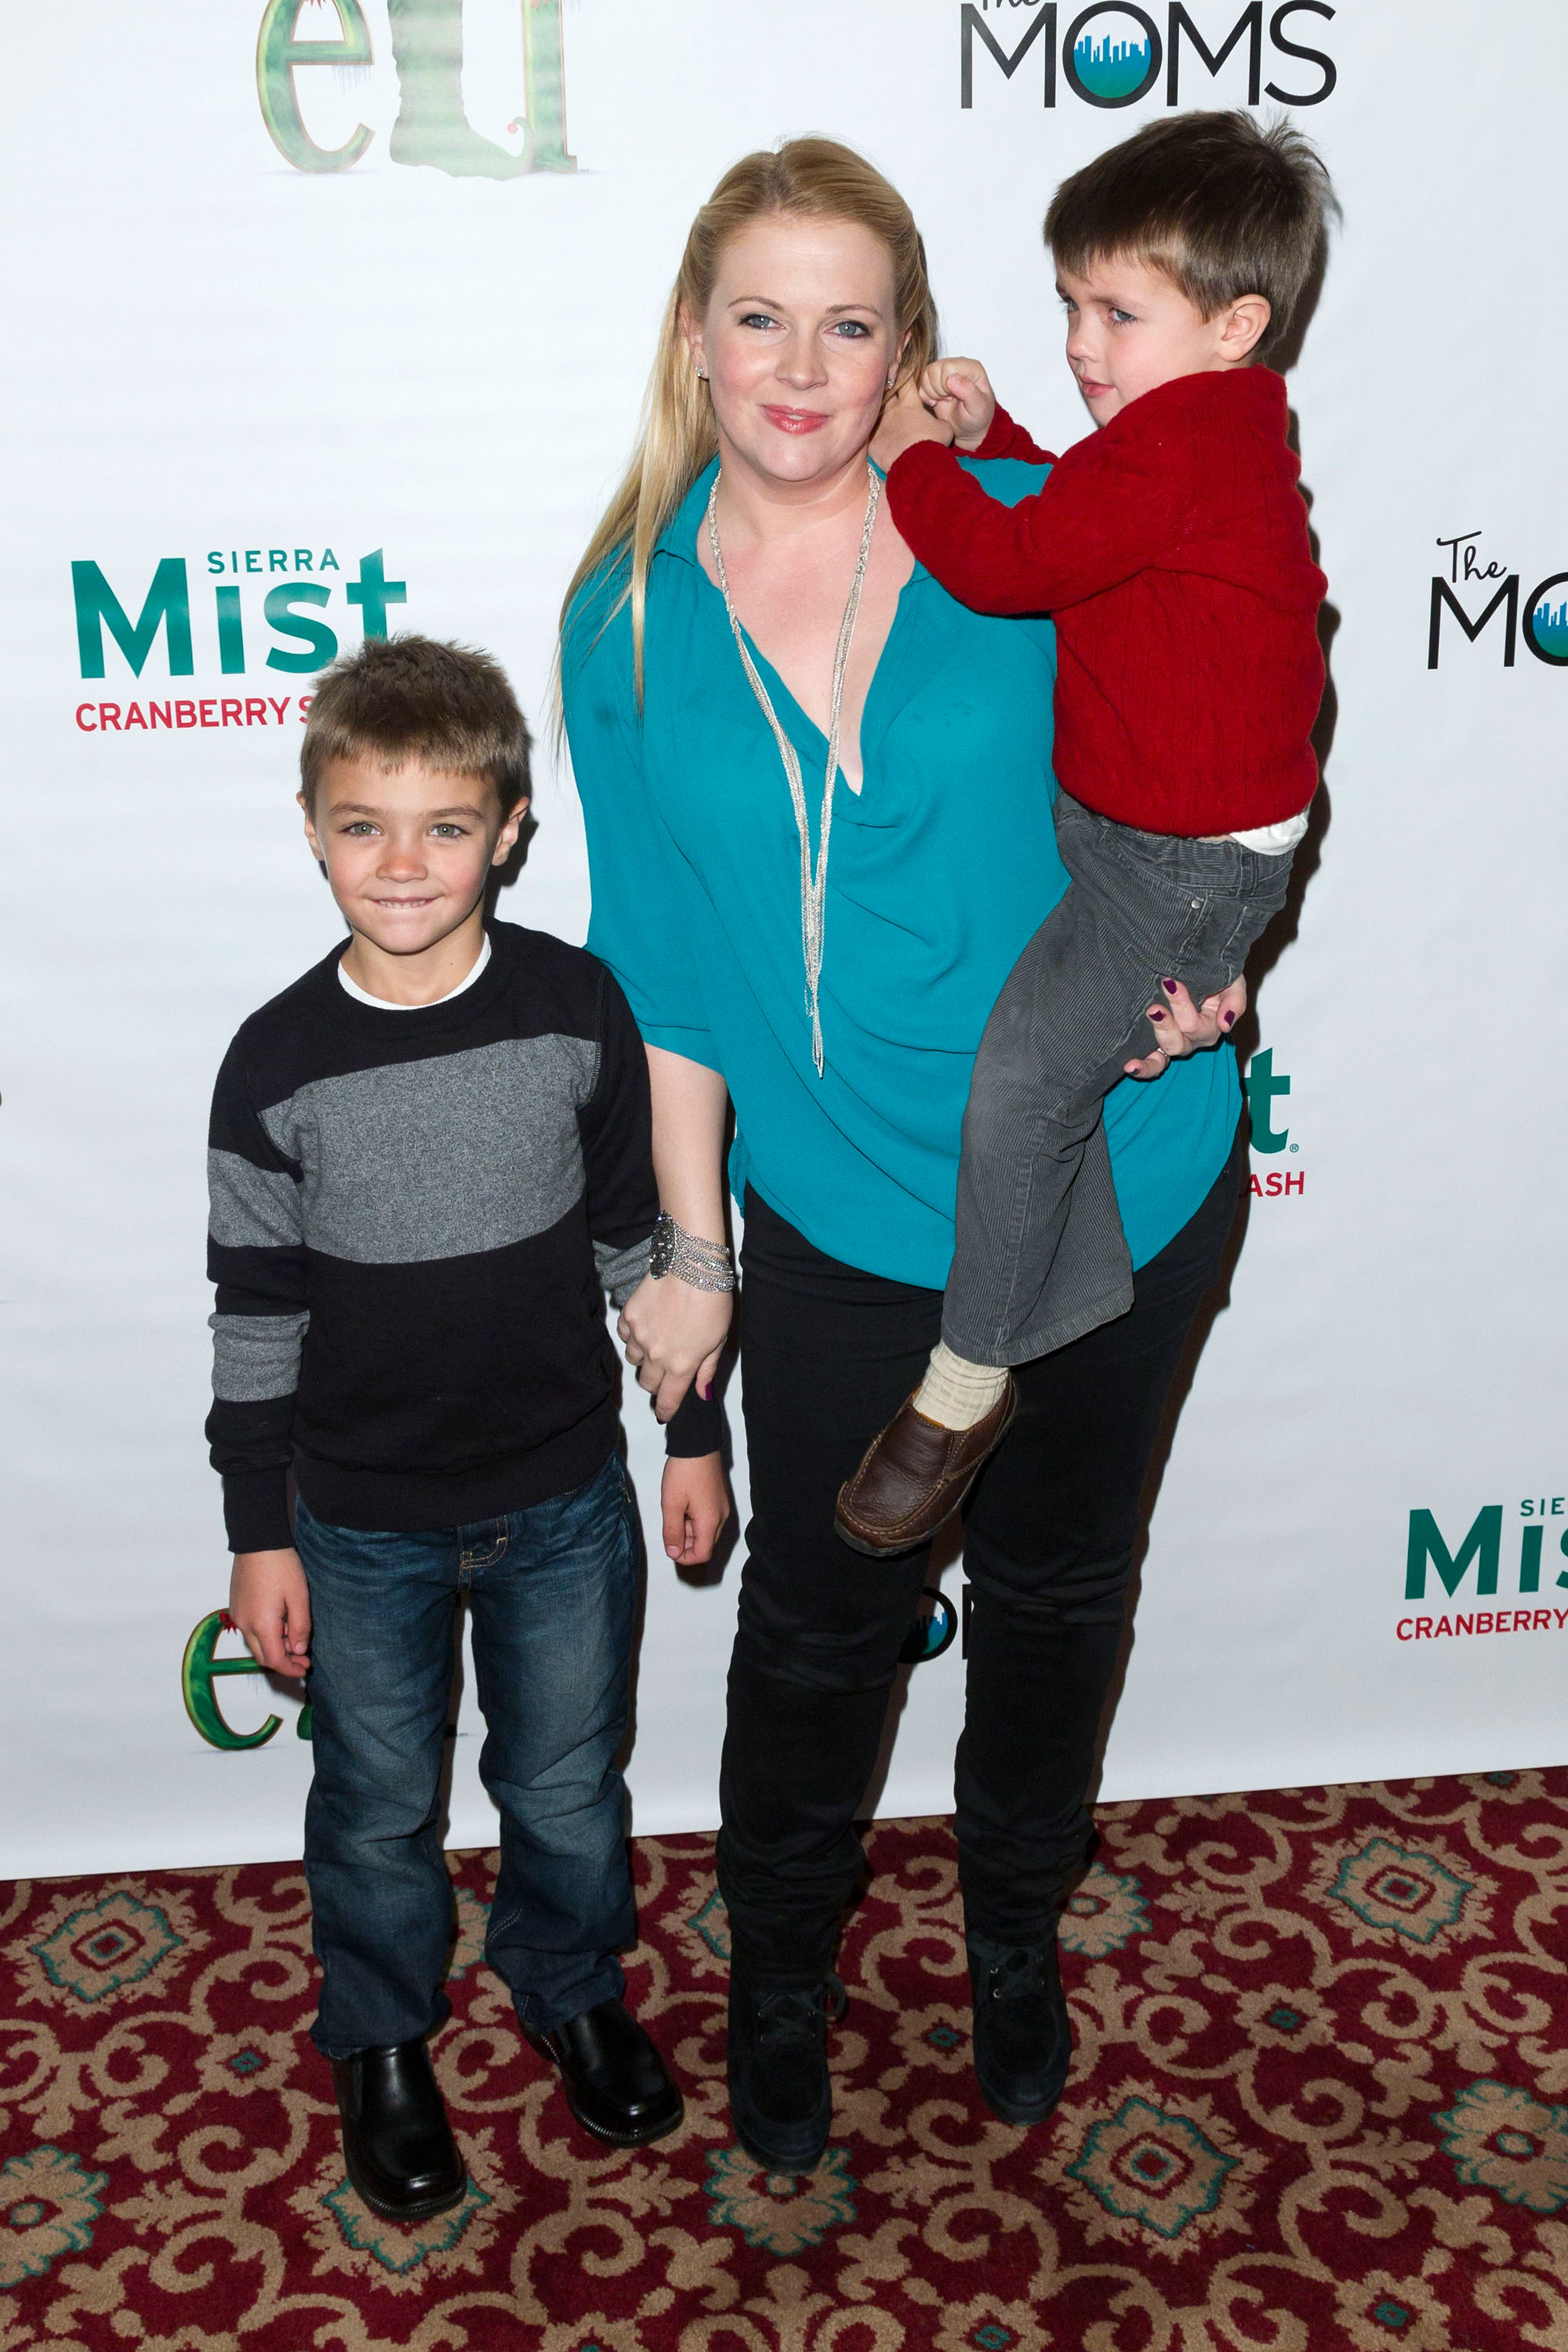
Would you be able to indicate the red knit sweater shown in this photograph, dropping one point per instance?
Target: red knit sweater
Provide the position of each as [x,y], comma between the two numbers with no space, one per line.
[1171,549]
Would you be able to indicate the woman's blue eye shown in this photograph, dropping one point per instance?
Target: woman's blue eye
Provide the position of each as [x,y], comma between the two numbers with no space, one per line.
[857,327]
[758,319]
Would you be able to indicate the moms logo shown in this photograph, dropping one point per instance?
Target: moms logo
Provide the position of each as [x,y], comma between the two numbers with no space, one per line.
[1112,54]
[432,125]
[1460,596]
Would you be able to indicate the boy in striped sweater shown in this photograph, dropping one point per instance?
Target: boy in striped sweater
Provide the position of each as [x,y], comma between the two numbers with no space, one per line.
[429,1158]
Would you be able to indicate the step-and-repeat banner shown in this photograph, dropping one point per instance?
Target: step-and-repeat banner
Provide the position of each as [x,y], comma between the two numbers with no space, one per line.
[328,318]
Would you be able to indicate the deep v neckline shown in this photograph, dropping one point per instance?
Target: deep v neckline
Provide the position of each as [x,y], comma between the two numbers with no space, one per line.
[780,688]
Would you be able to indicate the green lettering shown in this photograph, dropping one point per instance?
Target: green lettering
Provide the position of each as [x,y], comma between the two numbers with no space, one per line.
[1483,1544]
[168,604]
[197,1678]
[374,592]
[544,86]
[320,644]
[1262,1085]
[277,54]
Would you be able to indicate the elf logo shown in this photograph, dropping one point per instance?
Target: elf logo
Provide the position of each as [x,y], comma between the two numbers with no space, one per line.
[1113,54]
[432,125]
[1463,595]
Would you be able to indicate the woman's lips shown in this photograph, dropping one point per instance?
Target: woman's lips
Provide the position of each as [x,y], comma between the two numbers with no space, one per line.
[796,420]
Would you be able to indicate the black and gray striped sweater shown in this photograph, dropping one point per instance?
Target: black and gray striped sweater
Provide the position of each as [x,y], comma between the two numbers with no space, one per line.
[415,1215]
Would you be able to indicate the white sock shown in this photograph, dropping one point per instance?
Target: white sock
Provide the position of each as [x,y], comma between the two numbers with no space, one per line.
[956,1393]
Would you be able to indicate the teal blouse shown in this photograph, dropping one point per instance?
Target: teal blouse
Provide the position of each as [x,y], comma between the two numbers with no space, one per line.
[941,868]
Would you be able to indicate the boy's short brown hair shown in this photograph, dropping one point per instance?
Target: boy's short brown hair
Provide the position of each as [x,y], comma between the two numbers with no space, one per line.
[409,697]
[1221,204]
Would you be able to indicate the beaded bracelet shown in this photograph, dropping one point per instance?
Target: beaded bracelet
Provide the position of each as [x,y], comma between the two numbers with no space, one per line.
[706,1265]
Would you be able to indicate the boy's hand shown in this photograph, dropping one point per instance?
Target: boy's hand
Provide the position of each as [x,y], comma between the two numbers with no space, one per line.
[269,1603]
[696,1504]
[905,420]
[960,392]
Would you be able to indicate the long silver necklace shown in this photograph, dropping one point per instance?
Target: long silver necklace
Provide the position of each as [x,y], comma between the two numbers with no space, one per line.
[813,885]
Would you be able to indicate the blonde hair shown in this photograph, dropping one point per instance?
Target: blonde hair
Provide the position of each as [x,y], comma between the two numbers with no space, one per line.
[814,179]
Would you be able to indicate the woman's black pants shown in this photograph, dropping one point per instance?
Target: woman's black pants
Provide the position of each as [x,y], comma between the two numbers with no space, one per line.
[829,1353]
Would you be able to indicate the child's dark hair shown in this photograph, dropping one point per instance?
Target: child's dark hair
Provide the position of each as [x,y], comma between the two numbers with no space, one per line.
[402,699]
[1221,204]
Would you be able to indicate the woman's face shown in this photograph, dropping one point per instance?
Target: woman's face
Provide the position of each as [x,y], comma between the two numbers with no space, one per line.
[800,344]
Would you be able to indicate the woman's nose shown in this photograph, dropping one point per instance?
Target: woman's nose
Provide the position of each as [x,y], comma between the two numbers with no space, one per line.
[801,362]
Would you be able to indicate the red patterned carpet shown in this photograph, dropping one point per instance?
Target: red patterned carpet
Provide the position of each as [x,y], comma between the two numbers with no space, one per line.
[1321,2040]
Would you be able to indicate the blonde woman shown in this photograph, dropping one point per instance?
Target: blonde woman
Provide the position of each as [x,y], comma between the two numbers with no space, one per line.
[818,802]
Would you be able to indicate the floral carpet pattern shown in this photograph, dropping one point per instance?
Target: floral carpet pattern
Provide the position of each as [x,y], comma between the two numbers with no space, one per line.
[1319,2100]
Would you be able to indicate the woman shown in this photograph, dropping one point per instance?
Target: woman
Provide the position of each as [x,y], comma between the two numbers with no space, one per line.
[818,802]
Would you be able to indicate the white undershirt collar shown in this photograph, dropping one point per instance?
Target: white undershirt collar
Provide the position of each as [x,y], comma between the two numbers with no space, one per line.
[363,995]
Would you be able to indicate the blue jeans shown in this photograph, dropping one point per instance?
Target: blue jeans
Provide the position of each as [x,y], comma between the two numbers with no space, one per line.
[551,1593]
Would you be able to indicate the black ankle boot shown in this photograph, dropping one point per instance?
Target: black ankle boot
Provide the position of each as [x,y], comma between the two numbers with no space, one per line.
[397,2143]
[780,2097]
[1022,2035]
[615,2082]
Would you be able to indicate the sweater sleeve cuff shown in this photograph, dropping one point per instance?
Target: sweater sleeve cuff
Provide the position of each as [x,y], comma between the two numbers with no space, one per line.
[696,1426]
[998,436]
[256,1511]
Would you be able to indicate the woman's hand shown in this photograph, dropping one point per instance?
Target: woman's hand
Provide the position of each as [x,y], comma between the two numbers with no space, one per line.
[905,420]
[695,1503]
[1188,1028]
[673,1332]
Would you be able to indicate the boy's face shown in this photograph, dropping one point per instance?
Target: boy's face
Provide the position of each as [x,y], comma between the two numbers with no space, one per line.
[1131,329]
[407,849]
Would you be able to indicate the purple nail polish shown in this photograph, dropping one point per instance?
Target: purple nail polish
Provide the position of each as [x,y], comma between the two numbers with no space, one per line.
[1228,1018]
[1169,986]
[1156,1013]
[707,1394]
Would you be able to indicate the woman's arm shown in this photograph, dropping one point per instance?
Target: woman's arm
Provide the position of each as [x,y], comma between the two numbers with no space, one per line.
[671,1330]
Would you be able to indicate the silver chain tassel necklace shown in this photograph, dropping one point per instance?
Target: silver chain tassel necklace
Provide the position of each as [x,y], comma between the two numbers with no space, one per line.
[813,886]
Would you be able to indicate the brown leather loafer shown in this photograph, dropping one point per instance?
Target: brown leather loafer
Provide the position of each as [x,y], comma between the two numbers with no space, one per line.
[915,1476]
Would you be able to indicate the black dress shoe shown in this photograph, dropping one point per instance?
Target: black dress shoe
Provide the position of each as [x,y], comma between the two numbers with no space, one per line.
[1022,2035]
[397,2143]
[615,2080]
[781,2099]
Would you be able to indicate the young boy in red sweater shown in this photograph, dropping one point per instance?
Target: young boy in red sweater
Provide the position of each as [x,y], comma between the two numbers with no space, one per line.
[1171,548]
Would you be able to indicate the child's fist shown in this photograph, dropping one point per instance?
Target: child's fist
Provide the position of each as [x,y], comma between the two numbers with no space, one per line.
[905,420]
[695,1505]
[960,392]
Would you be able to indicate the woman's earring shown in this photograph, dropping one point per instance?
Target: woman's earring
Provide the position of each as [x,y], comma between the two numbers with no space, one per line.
[701,375]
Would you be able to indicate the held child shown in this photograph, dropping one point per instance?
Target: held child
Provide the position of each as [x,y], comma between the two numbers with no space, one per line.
[426,1157]
[1171,550]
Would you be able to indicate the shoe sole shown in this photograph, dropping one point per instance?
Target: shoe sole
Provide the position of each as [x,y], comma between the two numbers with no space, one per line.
[1019,2111]
[642,2137]
[913,1543]
[425,2210]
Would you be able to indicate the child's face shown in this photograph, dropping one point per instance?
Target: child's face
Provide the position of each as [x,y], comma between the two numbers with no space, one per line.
[407,849]
[1131,329]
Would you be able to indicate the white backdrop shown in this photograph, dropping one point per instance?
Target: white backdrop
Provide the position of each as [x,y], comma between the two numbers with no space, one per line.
[224,358]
